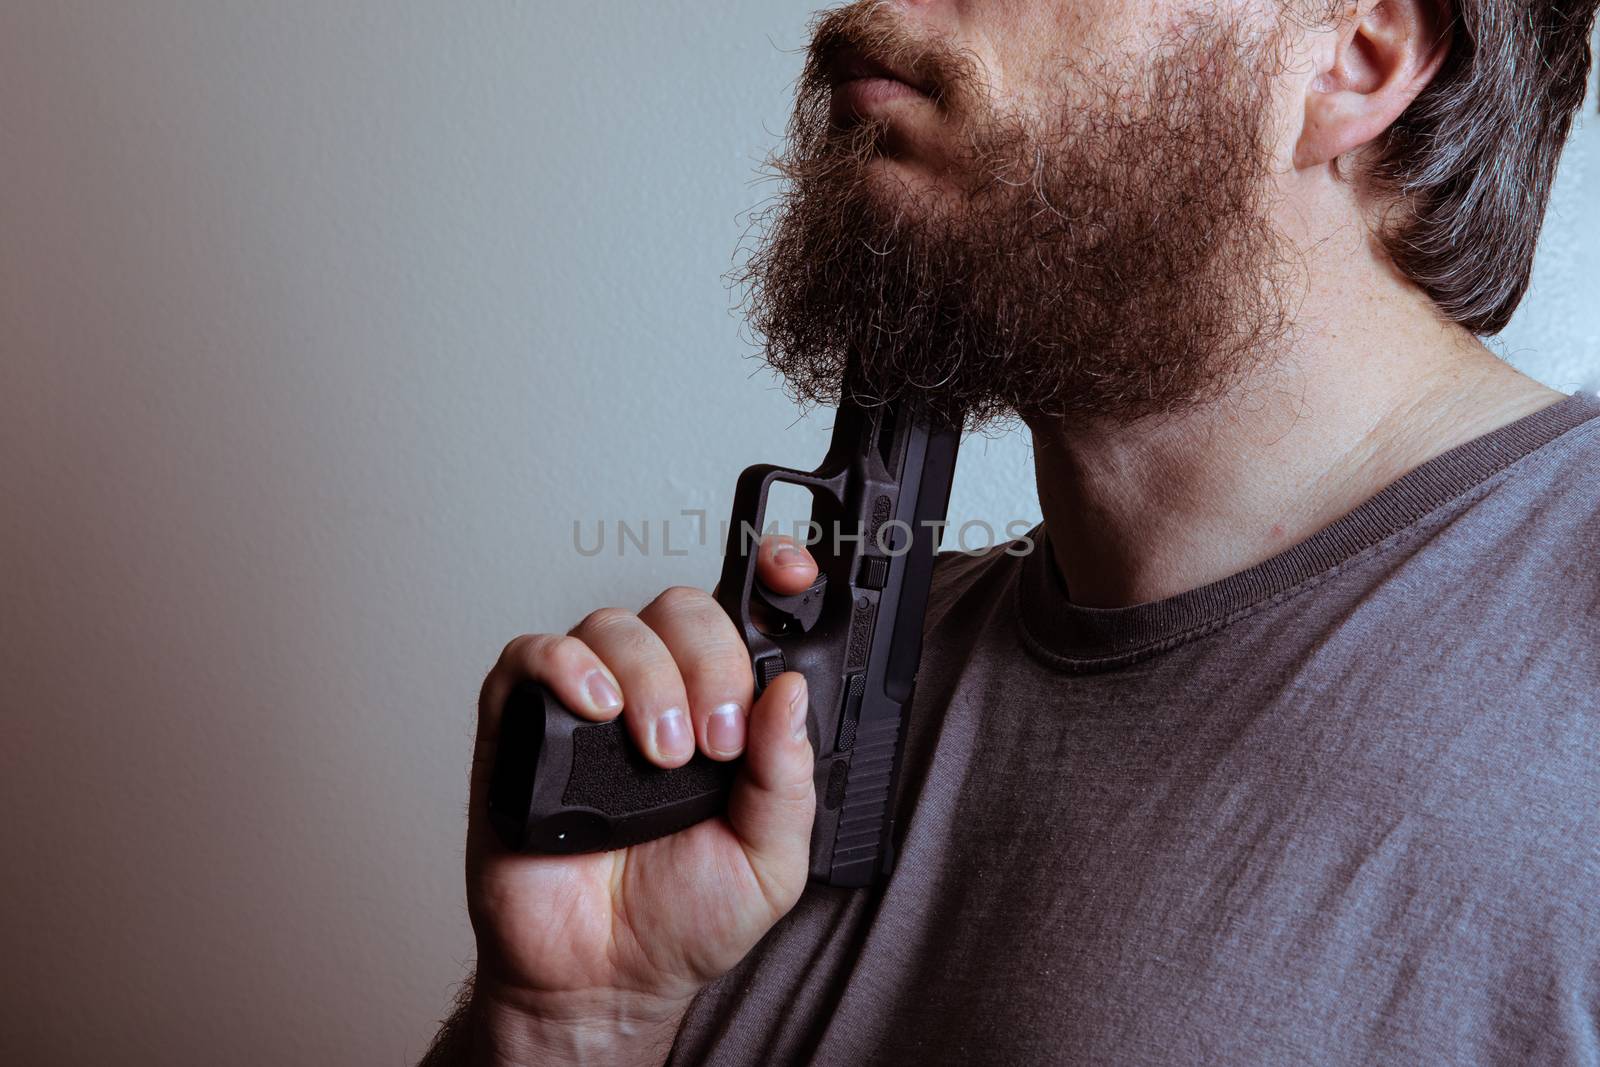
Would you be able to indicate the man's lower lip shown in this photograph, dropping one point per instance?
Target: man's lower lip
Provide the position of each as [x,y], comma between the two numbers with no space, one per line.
[863,95]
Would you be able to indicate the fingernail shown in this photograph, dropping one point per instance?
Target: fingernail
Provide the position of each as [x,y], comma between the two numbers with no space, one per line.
[797,713]
[672,734]
[725,730]
[603,696]
[788,556]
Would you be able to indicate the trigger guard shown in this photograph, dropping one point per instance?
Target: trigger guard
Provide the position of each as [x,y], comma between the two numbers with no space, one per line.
[803,608]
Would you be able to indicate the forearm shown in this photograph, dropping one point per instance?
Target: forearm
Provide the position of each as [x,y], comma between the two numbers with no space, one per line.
[483,1031]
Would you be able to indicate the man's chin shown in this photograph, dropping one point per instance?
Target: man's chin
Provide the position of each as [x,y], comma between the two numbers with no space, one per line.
[906,188]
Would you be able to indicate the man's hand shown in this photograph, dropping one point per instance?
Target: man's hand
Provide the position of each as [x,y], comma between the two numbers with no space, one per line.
[594,958]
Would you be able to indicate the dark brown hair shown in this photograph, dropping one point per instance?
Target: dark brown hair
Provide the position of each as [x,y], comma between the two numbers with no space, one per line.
[1469,165]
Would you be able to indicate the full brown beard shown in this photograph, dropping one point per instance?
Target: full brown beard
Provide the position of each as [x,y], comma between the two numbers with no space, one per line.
[1115,260]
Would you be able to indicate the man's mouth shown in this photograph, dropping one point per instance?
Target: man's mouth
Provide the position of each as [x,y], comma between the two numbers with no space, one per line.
[863,85]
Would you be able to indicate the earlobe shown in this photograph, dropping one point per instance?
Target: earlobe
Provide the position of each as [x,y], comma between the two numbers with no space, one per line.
[1384,54]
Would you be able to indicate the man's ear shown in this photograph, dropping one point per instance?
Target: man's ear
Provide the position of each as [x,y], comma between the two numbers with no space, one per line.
[1385,53]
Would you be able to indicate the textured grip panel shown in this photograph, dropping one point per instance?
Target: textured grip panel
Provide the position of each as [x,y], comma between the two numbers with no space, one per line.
[866,794]
[611,775]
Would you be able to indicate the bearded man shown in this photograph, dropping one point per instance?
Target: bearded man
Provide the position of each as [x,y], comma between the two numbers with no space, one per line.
[1283,745]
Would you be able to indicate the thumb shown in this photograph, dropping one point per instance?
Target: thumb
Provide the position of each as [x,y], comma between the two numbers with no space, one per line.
[773,803]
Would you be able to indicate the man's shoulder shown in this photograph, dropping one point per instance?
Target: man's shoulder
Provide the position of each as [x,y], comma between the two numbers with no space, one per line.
[1505,557]
[1524,544]
[1554,482]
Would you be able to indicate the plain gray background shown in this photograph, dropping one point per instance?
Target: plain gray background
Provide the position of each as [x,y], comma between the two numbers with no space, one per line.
[321,324]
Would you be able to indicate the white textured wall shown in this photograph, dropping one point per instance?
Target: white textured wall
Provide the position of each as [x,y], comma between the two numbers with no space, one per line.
[320,323]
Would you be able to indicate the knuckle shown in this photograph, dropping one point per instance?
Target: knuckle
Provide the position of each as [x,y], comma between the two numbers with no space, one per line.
[543,654]
[514,647]
[719,665]
[519,659]
[800,793]
[604,620]
[565,652]
[620,638]
[682,600]
[521,651]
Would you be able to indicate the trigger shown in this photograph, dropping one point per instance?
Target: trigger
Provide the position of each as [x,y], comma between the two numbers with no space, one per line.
[803,609]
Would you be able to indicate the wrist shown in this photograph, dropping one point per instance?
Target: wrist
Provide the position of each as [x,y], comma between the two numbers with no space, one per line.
[620,1029]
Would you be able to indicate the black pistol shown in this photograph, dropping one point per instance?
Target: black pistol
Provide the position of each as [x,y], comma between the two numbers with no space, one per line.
[562,784]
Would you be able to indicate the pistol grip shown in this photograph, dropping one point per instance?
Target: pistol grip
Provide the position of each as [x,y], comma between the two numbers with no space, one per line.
[563,784]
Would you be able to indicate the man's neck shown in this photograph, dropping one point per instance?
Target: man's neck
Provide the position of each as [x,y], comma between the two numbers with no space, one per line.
[1143,512]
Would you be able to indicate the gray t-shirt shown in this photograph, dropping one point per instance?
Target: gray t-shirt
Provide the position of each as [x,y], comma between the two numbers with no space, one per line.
[1340,808]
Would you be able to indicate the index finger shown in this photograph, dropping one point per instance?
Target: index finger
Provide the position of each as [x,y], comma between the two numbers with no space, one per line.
[784,566]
